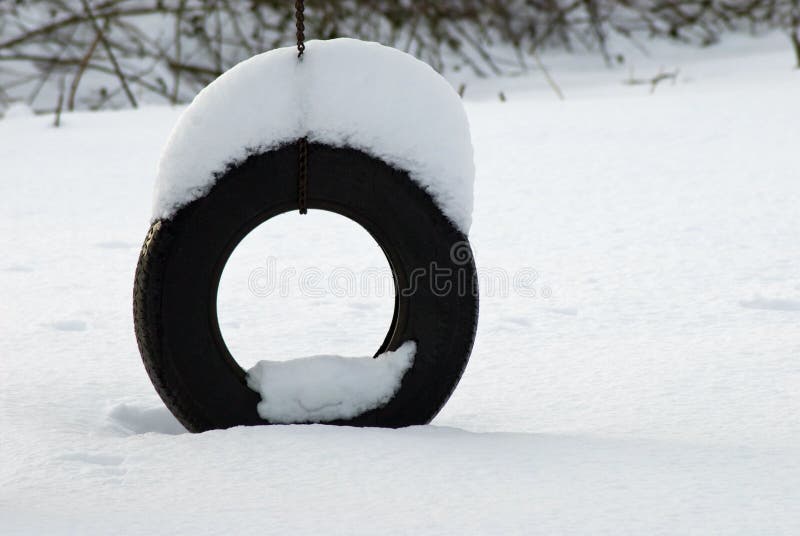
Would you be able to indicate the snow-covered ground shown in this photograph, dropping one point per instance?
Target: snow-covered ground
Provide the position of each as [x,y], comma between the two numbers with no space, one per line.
[649,385]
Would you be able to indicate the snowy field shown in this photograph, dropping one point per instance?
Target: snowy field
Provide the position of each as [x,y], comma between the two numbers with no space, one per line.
[649,385]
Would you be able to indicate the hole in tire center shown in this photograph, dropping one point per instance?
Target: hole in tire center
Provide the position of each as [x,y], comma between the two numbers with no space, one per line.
[298,286]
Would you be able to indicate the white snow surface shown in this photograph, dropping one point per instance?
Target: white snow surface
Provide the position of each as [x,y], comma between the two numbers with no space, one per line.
[648,386]
[328,387]
[344,92]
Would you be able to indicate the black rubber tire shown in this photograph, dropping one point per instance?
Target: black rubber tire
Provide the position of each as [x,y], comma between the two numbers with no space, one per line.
[181,262]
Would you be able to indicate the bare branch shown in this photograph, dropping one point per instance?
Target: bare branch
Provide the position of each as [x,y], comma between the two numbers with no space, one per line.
[111,57]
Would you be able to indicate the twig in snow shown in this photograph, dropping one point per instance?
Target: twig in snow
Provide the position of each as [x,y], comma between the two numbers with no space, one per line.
[655,80]
[60,103]
[546,74]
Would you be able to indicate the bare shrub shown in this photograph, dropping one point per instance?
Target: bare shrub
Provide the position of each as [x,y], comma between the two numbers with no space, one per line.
[115,53]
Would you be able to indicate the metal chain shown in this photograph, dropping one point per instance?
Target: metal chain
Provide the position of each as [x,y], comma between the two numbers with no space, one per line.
[302,177]
[299,17]
[302,144]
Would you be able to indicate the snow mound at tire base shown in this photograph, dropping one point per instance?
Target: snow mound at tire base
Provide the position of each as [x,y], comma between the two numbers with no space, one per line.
[328,387]
[344,92]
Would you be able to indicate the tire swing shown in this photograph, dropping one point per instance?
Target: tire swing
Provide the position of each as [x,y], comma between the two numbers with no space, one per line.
[350,127]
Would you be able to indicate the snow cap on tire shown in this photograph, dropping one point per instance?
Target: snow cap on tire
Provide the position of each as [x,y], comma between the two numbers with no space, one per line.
[344,93]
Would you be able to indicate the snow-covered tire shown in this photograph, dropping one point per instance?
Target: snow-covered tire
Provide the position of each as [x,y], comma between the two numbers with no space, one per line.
[181,262]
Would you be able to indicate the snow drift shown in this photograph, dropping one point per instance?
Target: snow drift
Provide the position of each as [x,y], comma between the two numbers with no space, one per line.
[344,92]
